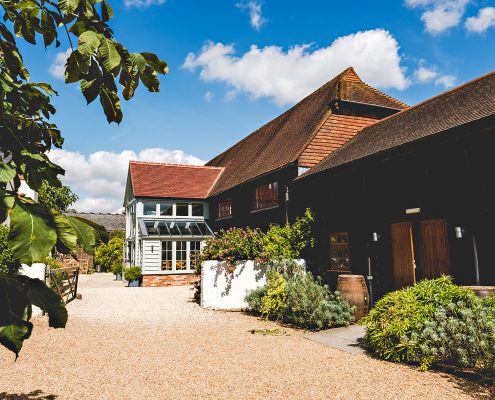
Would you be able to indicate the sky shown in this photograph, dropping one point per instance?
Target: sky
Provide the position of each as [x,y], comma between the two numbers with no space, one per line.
[235,65]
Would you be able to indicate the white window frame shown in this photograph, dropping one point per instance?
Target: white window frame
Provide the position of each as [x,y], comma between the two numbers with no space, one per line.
[174,269]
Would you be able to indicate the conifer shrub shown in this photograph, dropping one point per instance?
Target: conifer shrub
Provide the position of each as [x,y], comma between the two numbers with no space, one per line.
[132,273]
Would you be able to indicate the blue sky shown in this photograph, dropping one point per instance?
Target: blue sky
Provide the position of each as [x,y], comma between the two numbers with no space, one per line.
[226,88]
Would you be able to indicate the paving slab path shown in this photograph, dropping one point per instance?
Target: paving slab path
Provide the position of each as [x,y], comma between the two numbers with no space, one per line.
[157,343]
[346,338]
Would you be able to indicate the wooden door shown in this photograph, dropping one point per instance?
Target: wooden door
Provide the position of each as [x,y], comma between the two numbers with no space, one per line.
[433,249]
[403,254]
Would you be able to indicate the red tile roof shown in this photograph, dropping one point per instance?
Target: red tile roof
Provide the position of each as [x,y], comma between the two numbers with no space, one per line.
[282,140]
[178,181]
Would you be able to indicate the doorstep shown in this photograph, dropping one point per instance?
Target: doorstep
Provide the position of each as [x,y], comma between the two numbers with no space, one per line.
[345,338]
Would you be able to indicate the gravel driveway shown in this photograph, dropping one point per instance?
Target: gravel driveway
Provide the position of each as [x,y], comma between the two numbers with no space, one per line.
[156,343]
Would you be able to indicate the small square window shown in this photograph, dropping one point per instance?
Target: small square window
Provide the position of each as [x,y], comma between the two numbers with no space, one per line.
[225,208]
[166,208]
[339,252]
[149,208]
[197,209]
[266,196]
[182,209]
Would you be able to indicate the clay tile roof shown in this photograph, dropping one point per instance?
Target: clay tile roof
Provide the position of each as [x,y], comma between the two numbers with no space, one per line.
[282,140]
[111,222]
[464,104]
[178,181]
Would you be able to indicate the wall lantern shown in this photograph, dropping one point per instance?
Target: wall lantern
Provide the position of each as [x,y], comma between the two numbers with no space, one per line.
[413,210]
[152,248]
[375,237]
[459,232]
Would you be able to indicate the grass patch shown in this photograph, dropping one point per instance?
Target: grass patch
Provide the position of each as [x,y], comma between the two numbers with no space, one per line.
[269,332]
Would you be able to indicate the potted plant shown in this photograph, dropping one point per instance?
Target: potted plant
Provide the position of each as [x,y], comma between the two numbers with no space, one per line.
[117,270]
[132,275]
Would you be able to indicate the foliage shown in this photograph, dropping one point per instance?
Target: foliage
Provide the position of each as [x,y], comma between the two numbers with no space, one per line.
[52,263]
[27,134]
[278,243]
[399,314]
[108,254]
[117,234]
[300,300]
[458,334]
[132,273]
[489,302]
[8,263]
[116,268]
[59,198]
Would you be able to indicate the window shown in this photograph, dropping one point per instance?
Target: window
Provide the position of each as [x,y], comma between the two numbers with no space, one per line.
[266,196]
[182,209]
[149,208]
[166,208]
[167,256]
[339,251]
[195,249]
[225,208]
[181,256]
[197,209]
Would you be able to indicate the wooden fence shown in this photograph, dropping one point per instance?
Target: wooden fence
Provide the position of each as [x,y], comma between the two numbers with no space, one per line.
[64,282]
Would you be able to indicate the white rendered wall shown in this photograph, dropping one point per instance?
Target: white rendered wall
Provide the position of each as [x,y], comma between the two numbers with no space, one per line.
[36,270]
[221,290]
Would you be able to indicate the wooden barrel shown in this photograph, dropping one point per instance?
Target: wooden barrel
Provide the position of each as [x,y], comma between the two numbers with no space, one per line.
[483,291]
[353,289]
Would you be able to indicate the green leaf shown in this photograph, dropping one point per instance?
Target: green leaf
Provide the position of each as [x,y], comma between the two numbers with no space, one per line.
[40,295]
[7,173]
[66,235]
[88,43]
[32,231]
[150,80]
[77,64]
[106,11]
[155,63]
[110,57]
[85,234]
[90,89]
[68,6]
[6,204]
[137,62]
[111,105]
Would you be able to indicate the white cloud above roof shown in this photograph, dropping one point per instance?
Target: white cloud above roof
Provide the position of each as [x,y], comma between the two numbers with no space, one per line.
[99,178]
[440,15]
[143,3]
[57,68]
[481,22]
[286,76]
[256,18]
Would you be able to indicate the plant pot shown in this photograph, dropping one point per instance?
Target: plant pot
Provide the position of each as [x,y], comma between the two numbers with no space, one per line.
[118,277]
[134,283]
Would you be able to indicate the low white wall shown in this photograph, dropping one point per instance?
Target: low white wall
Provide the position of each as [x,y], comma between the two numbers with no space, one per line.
[36,270]
[221,290]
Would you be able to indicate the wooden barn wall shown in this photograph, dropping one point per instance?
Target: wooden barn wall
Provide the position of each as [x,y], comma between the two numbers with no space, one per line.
[242,203]
[450,178]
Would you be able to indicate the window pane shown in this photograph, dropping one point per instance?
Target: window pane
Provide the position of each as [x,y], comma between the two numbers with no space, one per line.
[197,209]
[149,208]
[181,256]
[174,229]
[166,256]
[266,196]
[339,251]
[225,208]
[165,208]
[195,250]
[151,227]
[182,209]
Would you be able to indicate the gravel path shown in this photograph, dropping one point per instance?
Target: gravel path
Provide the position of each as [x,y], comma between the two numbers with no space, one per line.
[155,343]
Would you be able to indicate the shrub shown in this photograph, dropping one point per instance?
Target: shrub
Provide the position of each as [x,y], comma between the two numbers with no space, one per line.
[300,300]
[117,268]
[458,335]
[107,254]
[8,263]
[399,314]
[132,273]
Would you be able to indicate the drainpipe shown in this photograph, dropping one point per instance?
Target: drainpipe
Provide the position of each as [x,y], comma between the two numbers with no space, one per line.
[476,262]
[286,204]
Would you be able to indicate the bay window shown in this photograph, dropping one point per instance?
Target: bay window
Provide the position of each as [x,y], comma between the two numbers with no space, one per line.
[179,255]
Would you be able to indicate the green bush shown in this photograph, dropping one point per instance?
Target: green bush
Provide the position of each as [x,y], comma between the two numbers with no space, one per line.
[8,263]
[398,315]
[108,254]
[278,243]
[132,273]
[300,300]
[117,268]
[459,335]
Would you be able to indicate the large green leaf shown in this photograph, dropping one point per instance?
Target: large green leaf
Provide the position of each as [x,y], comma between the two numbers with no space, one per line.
[106,11]
[7,173]
[109,54]
[66,235]
[88,43]
[86,237]
[111,105]
[68,6]
[6,204]
[32,231]
[157,64]
[90,89]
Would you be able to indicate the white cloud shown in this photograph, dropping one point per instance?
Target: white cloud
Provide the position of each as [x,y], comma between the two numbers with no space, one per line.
[57,69]
[143,3]
[99,179]
[440,15]
[255,15]
[430,74]
[288,76]
[484,20]
[208,96]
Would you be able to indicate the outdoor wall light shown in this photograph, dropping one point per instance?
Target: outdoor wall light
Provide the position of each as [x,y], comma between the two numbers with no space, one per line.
[376,236]
[152,248]
[459,232]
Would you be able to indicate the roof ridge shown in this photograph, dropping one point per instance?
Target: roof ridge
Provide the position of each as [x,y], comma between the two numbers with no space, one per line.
[173,164]
[401,103]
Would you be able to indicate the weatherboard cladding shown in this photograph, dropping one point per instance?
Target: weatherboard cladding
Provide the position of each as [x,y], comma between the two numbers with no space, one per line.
[282,140]
[467,103]
[172,180]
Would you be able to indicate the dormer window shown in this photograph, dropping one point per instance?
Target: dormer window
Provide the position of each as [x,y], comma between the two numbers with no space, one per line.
[266,196]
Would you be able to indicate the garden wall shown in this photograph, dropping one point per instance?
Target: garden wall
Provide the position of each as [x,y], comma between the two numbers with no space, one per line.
[221,290]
